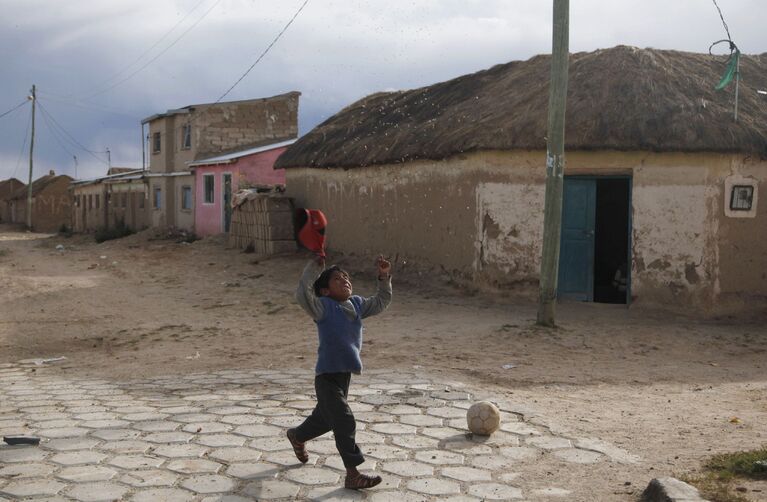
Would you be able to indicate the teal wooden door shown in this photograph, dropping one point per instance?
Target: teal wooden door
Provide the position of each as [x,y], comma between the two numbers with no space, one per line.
[227,201]
[576,254]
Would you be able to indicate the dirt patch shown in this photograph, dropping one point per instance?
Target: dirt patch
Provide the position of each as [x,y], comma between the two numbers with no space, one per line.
[661,386]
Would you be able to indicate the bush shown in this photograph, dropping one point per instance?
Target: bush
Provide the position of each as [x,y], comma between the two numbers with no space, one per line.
[118,231]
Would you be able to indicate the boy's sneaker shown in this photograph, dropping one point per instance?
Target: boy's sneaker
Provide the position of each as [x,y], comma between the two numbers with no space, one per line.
[361,481]
[298,447]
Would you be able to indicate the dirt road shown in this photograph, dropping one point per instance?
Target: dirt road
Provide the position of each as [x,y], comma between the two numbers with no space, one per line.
[670,389]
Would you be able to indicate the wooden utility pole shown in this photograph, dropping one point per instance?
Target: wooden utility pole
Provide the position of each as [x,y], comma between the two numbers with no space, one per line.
[555,165]
[31,153]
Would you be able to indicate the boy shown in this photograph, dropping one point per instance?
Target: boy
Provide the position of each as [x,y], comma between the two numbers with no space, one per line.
[327,297]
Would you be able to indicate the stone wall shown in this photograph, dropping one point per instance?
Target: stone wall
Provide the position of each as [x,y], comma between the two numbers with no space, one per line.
[227,127]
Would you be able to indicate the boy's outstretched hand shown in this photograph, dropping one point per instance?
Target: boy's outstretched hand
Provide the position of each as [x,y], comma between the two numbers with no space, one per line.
[384,267]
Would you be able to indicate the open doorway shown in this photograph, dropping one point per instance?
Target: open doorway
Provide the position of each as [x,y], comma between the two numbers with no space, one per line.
[594,252]
[611,240]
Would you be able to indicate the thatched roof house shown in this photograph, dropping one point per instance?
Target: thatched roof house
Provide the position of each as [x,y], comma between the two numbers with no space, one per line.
[8,189]
[622,98]
[644,123]
[51,203]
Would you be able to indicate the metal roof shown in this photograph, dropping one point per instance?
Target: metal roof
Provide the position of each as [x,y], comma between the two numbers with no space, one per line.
[102,178]
[231,157]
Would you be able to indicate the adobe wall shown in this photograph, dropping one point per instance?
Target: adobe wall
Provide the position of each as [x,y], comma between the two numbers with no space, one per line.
[52,206]
[184,218]
[8,188]
[480,217]
[128,204]
[86,217]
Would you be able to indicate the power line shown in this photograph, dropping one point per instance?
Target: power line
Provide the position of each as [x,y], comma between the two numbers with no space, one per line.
[55,133]
[265,52]
[147,51]
[157,56]
[71,138]
[73,102]
[23,144]
[15,108]
[726,28]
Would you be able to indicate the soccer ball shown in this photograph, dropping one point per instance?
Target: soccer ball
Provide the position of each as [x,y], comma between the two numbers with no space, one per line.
[483,418]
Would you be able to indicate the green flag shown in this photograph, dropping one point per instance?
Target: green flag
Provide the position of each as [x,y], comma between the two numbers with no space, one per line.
[729,73]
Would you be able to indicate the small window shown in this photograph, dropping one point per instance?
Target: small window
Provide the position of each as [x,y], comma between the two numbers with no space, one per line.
[742,197]
[156,142]
[124,199]
[141,200]
[208,185]
[157,197]
[97,203]
[186,137]
[186,197]
[90,201]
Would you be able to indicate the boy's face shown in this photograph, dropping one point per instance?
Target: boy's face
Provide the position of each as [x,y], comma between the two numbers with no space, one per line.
[339,287]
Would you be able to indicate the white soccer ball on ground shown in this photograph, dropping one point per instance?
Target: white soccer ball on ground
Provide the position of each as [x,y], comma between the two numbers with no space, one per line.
[483,418]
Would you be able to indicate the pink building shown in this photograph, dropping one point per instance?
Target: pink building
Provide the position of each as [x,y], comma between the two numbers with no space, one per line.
[217,178]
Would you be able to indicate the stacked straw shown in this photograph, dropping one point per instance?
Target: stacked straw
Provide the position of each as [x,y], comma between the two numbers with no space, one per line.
[263,223]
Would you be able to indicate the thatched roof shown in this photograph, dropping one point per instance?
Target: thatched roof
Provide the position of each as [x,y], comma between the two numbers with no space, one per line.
[40,184]
[622,98]
[8,188]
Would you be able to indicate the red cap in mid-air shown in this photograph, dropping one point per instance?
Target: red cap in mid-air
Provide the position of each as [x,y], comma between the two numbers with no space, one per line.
[311,234]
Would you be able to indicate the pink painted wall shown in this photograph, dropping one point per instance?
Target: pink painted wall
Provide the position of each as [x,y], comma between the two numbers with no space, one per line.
[256,168]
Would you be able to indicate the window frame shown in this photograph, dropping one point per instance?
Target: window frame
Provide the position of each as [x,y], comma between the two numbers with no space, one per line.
[156,197]
[209,191]
[186,137]
[156,142]
[749,200]
[186,189]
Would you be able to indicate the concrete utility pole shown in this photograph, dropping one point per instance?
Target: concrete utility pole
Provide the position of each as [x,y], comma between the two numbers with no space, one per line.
[555,165]
[31,152]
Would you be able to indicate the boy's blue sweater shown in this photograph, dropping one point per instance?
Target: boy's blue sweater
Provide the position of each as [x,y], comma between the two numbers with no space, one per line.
[340,338]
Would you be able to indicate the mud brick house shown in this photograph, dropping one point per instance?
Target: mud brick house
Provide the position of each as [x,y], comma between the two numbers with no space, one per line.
[218,178]
[8,189]
[119,198]
[51,203]
[660,183]
[182,136]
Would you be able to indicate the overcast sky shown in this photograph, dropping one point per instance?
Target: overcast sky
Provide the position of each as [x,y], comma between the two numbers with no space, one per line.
[101,66]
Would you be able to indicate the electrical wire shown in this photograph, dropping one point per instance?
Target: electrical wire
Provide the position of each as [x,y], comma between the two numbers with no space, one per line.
[23,144]
[726,28]
[147,51]
[14,108]
[102,91]
[264,52]
[729,41]
[71,138]
[55,133]
[73,102]
[164,134]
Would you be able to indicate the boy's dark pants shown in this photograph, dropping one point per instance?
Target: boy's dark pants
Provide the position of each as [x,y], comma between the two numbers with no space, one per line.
[332,413]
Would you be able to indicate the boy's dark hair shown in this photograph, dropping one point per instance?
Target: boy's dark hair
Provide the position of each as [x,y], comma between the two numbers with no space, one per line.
[323,281]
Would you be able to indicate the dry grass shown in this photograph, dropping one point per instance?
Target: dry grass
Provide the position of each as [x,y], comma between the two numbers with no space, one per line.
[623,98]
[723,472]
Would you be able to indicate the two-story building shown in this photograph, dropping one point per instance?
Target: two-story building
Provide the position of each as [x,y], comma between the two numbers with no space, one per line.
[179,137]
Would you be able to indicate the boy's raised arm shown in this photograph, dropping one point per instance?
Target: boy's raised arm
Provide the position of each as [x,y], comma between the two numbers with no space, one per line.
[378,303]
[305,293]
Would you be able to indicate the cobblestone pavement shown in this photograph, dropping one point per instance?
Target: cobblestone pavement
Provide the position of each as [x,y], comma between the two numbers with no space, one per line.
[221,437]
